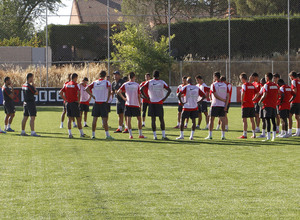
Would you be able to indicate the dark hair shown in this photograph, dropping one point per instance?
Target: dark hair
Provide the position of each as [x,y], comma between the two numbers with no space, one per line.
[293,74]
[298,75]
[148,74]
[190,80]
[263,81]
[269,75]
[276,75]
[281,81]
[254,74]
[131,75]
[102,73]
[155,73]
[125,78]
[184,77]
[74,75]
[85,79]
[29,75]
[69,76]
[6,79]
[217,74]
[223,78]
[199,77]
[244,76]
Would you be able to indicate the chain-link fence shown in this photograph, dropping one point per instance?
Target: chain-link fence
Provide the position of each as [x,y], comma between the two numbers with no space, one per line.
[219,35]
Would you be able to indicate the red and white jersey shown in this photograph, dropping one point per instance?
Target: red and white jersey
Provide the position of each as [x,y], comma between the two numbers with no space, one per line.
[258,86]
[229,91]
[296,84]
[288,93]
[100,89]
[249,91]
[191,94]
[146,92]
[156,91]
[132,91]
[205,89]
[221,89]
[84,96]
[179,88]
[272,90]
[71,90]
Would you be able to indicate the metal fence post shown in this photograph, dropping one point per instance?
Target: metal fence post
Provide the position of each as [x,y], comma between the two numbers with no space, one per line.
[229,41]
[289,58]
[272,64]
[47,83]
[169,33]
[108,36]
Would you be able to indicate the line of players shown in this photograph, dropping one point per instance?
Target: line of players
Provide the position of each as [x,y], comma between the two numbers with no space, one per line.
[260,99]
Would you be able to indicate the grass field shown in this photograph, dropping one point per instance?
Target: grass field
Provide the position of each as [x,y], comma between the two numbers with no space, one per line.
[53,177]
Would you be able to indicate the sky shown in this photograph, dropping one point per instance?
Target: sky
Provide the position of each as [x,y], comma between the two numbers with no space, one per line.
[65,11]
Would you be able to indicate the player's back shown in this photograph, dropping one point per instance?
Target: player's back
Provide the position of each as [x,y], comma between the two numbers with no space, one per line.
[132,91]
[296,84]
[272,94]
[84,96]
[249,93]
[100,90]
[191,93]
[156,90]
[220,89]
[287,92]
[71,91]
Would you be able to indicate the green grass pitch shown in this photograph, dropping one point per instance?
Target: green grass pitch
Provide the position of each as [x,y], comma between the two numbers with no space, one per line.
[53,177]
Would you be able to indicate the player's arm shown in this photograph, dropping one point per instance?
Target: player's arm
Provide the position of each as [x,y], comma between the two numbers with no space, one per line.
[78,96]
[242,97]
[139,98]
[263,97]
[218,97]
[293,97]
[120,93]
[179,95]
[282,98]
[35,92]
[108,94]
[168,93]
[62,95]
[88,90]
[226,101]
[143,91]
[203,96]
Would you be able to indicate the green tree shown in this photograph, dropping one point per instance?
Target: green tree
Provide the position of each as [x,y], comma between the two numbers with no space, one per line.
[138,51]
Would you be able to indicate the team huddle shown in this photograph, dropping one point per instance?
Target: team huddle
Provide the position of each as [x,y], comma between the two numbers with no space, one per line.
[267,101]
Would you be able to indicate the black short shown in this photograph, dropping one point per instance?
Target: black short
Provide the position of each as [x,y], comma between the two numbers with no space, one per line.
[202,107]
[100,110]
[29,109]
[217,111]
[132,111]
[228,106]
[120,108]
[269,112]
[180,107]
[9,107]
[84,108]
[108,105]
[261,113]
[144,107]
[248,112]
[257,108]
[73,109]
[295,109]
[189,114]
[156,110]
[284,113]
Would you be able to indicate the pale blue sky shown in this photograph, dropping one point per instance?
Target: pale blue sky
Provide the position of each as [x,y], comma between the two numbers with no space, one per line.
[64,11]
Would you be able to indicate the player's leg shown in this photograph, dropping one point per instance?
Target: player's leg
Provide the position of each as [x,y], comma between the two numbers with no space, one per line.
[186,123]
[274,123]
[25,118]
[183,117]
[74,124]
[284,127]
[85,119]
[79,125]
[105,125]
[128,120]
[290,128]
[94,126]
[253,127]
[226,121]
[223,126]
[219,125]
[126,125]
[62,117]
[199,119]
[297,116]
[162,126]
[140,125]
[70,120]
[153,123]
[193,128]
[210,126]
[268,122]
[245,128]
[144,109]
[121,120]
[277,123]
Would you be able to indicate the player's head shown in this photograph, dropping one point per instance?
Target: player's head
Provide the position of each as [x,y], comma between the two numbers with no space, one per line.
[117,75]
[190,80]
[125,78]
[254,77]
[243,77]
[7,80]
[280,82]
[147,76]
[132,76]
[293,75]
[85,80]
[69,77]
[107,77]
[199,79]
[29,77]
[223,79]
[298,75]
[276,77]
[268,77]
[184,80]
[263,81]
[217,76]
[74,77]
[156,74]
[102,74]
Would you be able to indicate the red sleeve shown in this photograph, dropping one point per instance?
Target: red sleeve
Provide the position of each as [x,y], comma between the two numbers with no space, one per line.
[206,89]
[146,85]
[122,88]
[108,84]
[91,86]
[213,89]
[201,93]
[63,89]
[139,90]
[177,91]
[183,91]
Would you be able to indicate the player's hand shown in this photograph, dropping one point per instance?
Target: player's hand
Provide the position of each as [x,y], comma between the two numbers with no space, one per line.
[93,97]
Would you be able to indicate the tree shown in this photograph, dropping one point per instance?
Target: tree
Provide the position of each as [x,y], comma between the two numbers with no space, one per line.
[17,17]
[138,51]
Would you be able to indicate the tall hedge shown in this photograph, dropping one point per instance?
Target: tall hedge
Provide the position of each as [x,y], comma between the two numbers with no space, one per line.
[253,37]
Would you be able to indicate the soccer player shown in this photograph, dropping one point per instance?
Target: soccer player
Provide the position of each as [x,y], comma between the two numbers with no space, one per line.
[101,93]
[269,102]
[219,103]
[116,85]
[248,111]
[110,99]
[65,108]
[254,79]
[190,106]
[132,103]
[276,77]
[85,99]
[184,83]
[145,101]
[295,108]
[8,103]
[29,106]
[70,93]
[284,108]
[156,89]
[202,106]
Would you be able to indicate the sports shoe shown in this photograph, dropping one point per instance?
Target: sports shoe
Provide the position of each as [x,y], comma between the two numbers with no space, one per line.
[208,138]
[2,132]
[185,126]
[74,126]
[242,137]
[197,126]
[125,131]
[253,136]
[180,138]
[143,125]
[35,135]
[261,136]
[93,137]
[84,136]
[296,135]
[61,126]
[280,135]
[217,128]
[273,139]
[24,134]
[205,129]
[277,131]
[223,138]
[154,138]
[86,126]
[191,138]
[109,138]
[165,138]
[285,136]
[226,129]
[130,137]
[118,131]
[71,136]
[142,137]
[10,130]
[289,135]
[266,140]
[257,130]
[177,126]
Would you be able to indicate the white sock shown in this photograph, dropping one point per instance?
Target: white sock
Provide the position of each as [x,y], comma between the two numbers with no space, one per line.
[74,123]
[154,134]
[210,134]
[23,131]
[226,127]
[218,126]
[5,127]
[245,133]
[84,123]
[93,133]
[130,132]
[81,132]
[263,132]
[186,124]
[8,126]
[181,134]
[274,134]
[32,132]
[206,126]
[140,132]
[178,123]
[120,127]
[277,128]
[268,135]
[69,131]
[283,132]
[163,132]
[257,128]
[143,123]
[126,127]
[290,131]
[61,124]
[192,134]
[297,130]
[253,132]
[223,134]
[107,133]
